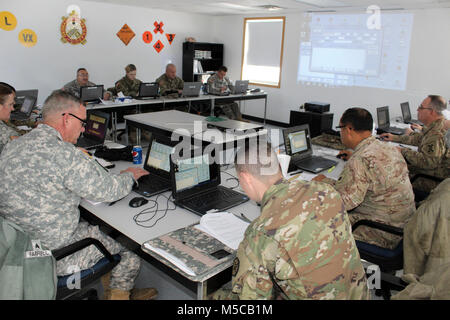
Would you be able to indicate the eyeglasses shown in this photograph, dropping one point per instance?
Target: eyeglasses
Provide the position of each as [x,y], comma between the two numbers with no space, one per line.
[340,127]
[83,122]
[420,107]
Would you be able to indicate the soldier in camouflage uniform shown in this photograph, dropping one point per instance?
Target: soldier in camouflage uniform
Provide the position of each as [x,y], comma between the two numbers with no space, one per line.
[129,85]
[44,177]
[432,156]
[82,80]
[301,246]
[219,84]
[7,130]
[169,84]
[374,184]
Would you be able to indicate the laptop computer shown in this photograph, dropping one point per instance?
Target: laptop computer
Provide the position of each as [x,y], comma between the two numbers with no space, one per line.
[91,94]
[196,185]
[148,90]
[406,113]
[191,89]
[297,142]
[384,122]
[25,110]
[158,166]
[95,131]
[240,86]
[21,94]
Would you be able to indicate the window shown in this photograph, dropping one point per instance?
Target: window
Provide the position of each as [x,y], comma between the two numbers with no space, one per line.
[262,52]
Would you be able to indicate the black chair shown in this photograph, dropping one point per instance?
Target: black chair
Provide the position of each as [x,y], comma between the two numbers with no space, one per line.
[420,195]
[389,260]
[87,276]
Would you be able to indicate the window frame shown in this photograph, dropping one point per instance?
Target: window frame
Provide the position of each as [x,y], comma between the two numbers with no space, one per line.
[283,18]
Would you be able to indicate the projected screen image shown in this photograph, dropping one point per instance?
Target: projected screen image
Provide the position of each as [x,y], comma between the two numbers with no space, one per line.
[298,141]
[192,172]
[340,50]
[159,156]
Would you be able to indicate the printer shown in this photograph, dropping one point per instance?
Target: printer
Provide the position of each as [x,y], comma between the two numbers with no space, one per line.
[319,107]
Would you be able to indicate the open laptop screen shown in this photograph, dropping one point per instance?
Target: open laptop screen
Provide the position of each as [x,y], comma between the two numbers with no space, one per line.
[406,113]
[382,116]
[96,126]
[297,140]
[27,105]
[148,89]
[159,156]
[191,172]
[91,93]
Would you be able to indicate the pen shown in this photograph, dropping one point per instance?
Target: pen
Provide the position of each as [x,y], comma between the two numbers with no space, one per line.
[331,169]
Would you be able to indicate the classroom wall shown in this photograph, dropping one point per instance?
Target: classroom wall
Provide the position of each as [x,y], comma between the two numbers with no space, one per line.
[50,63]
[429,69]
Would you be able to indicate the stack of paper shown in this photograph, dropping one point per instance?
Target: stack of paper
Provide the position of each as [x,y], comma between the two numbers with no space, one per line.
[225,227]
[170,257]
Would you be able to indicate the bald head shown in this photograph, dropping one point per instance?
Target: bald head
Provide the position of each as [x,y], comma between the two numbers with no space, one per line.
[171,71]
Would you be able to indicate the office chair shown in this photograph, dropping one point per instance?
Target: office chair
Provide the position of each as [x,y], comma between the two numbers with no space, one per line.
[389,260]
[87,276]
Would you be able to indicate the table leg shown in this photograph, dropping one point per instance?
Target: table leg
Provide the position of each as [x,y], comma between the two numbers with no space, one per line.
[201,290]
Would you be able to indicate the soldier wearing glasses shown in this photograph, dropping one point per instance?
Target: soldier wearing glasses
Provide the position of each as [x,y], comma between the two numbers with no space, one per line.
[432,156]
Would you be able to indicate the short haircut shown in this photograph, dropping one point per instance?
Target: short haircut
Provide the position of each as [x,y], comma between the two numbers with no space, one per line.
[257,158]
[81,69]
[438,103]
[130,67]
[170,65]
[223,68]
[359,118]
[59,102]
[5,90]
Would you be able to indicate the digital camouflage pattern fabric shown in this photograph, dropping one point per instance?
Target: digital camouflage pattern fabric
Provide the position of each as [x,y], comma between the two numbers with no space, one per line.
[74,87]
[328,140]
[166,84]
[215,86]
[128,87]
[432,156]
[300,247]
[6,132]
[43,181]
[374,185]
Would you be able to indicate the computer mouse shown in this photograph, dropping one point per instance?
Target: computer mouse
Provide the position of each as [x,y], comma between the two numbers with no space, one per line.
[341,155]
[137,202]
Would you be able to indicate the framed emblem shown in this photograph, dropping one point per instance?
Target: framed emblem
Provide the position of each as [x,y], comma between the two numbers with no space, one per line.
[73,29]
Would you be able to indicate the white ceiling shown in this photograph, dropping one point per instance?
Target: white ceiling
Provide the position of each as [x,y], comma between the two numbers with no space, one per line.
[235,7]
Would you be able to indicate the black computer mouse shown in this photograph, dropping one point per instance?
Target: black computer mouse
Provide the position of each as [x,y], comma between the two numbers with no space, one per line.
[341,155]
[137,202]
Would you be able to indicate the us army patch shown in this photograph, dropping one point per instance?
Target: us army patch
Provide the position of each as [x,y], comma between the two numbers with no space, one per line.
[430,148]
[235,266]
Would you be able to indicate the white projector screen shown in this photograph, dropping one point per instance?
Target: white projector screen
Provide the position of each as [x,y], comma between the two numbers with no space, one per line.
[341,50]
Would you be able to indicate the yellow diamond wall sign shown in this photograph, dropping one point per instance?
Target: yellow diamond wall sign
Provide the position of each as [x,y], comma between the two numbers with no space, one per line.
[125,34]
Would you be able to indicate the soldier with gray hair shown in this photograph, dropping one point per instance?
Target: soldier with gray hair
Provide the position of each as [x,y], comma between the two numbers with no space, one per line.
[301,246]
[44,178]
[432,156]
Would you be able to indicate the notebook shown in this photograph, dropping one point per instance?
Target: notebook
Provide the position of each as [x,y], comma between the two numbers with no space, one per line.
[95,131]
[406,113]
[240,86]
[25,110]
[157,163]
[297,142]
[191,89]
[196,185]
[91,94]
[384,122]
[148,90]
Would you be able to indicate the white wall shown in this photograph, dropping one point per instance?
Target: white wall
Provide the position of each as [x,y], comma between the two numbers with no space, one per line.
[429,69]
[50,63]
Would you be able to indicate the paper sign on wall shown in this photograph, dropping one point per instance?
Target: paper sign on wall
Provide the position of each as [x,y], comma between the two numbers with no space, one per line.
[170,37]
[8,21]
[27,37]
[125,34]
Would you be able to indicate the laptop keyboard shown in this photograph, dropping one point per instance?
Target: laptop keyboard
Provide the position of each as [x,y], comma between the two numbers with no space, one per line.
[221,196]
[152,183]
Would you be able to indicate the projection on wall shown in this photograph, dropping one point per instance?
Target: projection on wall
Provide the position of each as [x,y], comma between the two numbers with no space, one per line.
[345,50]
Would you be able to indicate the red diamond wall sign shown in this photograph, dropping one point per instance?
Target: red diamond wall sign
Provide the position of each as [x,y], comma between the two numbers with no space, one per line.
[158,46]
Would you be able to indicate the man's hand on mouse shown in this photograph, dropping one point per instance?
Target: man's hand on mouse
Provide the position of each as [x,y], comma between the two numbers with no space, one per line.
[137,172]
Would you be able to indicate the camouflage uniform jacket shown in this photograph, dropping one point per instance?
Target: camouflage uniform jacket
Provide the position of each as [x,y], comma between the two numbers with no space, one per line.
[375,181]
[166,84]
[128,87]
[43,181]
[6,131]
[432,156]
[215,85]
[74,87]
[300,247]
